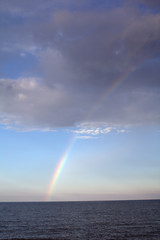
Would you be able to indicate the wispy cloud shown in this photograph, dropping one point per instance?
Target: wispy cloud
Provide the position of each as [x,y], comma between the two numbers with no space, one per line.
[87,130]
[84,137]
[121,130]
[96,131]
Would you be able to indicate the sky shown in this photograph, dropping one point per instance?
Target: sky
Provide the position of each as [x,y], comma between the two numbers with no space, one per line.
[79,100]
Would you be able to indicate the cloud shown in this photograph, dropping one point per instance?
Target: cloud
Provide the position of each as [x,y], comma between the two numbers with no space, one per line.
[90,130]
[152,4]
[26,101]
[121,130]
[84,137]
[94,64]
[93,131]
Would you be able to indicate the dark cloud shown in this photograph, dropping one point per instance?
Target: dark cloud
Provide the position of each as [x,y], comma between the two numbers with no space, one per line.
[100,47]
[155,4]
[98,65]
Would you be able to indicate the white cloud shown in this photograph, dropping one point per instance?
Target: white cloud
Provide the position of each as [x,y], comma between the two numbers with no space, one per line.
[84,137]
[121,130]
[93,131]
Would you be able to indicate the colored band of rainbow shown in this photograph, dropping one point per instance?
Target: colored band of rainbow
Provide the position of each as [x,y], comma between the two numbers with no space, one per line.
[66,154]
[59,168]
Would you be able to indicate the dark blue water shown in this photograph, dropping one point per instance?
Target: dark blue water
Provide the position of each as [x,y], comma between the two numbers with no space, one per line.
[113,220]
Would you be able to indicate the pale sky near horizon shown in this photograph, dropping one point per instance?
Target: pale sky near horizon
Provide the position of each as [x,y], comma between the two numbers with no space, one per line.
[79,84]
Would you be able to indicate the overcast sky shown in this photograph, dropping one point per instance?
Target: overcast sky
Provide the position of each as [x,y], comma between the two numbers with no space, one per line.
[87,67]
[59,58]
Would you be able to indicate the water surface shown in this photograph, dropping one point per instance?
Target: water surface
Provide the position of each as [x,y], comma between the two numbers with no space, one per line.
[110,220]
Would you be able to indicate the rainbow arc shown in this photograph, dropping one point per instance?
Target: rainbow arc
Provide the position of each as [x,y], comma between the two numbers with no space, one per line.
[66,154]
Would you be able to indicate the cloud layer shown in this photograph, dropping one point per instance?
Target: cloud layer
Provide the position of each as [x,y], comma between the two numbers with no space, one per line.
[89,63]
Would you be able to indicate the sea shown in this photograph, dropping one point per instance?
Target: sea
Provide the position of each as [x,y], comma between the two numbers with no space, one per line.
[102,220]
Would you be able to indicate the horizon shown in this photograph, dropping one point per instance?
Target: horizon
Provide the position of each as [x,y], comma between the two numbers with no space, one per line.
[66,201]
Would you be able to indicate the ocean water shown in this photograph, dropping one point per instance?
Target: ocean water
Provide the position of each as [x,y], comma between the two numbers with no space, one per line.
[110,220]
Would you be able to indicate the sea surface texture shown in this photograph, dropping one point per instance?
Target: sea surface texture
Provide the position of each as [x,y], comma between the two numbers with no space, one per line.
[110,220]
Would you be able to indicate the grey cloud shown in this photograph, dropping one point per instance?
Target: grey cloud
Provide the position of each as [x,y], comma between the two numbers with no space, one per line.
[105,45]
[80,55]
[152,3]
[131,108]
[146,76]
[27,102]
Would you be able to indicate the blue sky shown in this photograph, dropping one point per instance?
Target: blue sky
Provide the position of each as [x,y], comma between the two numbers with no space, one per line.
[79,80]
[114,166]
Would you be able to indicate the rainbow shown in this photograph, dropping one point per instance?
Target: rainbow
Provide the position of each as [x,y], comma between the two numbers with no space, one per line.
[66,154]
[116,84]
[59,168]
